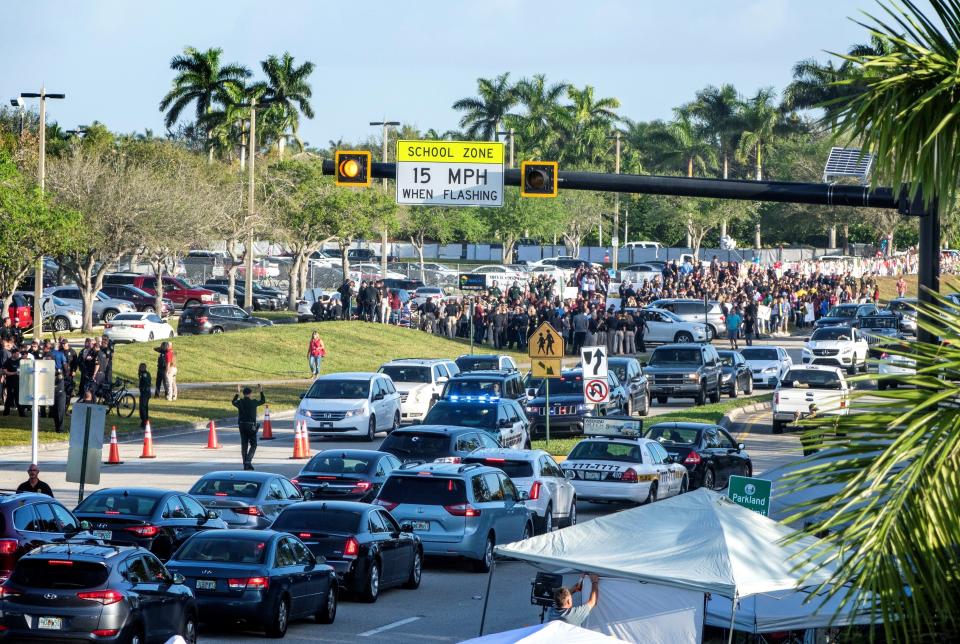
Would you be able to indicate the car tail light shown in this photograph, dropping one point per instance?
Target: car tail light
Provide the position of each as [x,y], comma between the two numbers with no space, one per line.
[111,511]
[693,458]
[6,593]
[105,597]
[462,510]
[295,481]
[304,535]
[8,546]
[59,562]
[108,326]
[202,319]
[630,476]
[219,494]
[351,548]
[138,326]
[389,505]
[495,460]
[535,491]
[249,583]
[884,355]
[144,530]
[251,511]
[362,486]
[105,632]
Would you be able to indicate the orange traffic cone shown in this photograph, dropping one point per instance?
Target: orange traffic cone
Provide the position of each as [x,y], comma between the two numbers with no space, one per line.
[114,457]
[267,425]
[297,441]
[212,442]
[147,443]
[305,437]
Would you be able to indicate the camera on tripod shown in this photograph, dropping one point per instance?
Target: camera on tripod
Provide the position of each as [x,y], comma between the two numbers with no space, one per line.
[543,587]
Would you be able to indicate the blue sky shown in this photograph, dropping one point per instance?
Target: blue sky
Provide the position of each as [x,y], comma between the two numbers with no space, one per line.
[410,60]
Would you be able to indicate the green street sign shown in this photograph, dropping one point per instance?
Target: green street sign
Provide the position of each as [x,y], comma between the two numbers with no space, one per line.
[751,493]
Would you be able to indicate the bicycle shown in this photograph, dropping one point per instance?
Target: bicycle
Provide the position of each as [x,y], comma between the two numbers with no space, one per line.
[116,397]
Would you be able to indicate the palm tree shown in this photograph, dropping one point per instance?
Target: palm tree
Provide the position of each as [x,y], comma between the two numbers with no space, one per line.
[589,124]
[288,89]
[762,121]
[202,80]
[894,522]
[682,144]
[718,110]
[486,111]
[539,128]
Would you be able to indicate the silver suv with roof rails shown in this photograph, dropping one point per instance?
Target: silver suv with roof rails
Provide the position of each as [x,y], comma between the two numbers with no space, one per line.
[420,382]
[711,315]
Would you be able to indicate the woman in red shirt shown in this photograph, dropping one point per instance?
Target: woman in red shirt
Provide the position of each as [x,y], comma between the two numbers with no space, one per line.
[315,353]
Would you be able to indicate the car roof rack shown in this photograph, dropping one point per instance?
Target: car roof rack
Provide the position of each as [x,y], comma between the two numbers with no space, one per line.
[409,465]
[468,466]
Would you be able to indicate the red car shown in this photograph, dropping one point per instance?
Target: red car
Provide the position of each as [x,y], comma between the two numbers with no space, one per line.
[20,312]
[174,288]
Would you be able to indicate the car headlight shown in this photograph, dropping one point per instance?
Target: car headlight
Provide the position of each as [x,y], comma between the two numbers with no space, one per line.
[355,412]
[206,297]
[531,409]
[806,350]
[693,376]
[726,376]
[583,408]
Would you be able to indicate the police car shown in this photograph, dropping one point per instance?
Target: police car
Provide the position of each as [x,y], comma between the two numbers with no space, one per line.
[503,418]
[616,464]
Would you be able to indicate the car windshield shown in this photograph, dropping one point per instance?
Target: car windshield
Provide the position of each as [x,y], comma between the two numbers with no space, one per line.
[474,387]
[406,373]
[879,323]
[513,469]
[216,486]
[673,435]
[339,389]
[59,573]
[318,520]
[605,451]
[339,463]
[464,414]
[424,490]
[567,385]
[476,363]
[119,503]
[418,446]
[759,354]
[223,550]
[811,379]
[133,290]
[842,312]
[726,358]
[669,356]
[831,333]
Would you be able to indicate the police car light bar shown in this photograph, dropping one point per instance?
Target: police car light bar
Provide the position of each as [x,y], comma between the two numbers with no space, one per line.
[617,426]
[480,398]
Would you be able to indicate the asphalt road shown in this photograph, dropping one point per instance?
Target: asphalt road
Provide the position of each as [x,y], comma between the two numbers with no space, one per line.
[448,605]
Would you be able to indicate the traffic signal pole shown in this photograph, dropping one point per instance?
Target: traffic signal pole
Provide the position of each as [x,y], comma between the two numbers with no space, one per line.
[821,194]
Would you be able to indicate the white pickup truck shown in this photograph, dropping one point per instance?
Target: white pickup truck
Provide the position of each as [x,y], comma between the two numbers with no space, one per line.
[809,390]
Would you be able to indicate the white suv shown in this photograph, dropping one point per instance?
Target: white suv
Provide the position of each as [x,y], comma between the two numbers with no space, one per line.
[350,404]
[420,383]
[552,497]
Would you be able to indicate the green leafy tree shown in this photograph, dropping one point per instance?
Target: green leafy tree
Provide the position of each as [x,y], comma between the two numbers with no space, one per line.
[538,129]
[762,121]
[719,110]
[484,113]
[682,145]
[589,123]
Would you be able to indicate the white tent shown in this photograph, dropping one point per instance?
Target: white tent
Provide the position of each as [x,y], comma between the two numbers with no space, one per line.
[548,633]
[786,610]
[699,541]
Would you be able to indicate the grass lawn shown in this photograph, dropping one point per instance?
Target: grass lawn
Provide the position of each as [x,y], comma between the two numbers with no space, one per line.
[888,286]
[192,406]
[280,352]
[704,414]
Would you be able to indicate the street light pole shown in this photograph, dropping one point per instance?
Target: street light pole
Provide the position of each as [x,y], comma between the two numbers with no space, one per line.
[248,251]
[384,240]
[43,95]
[614,239]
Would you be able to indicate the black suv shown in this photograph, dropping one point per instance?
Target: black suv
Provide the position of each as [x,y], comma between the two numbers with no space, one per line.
[29,520]
[266,292]
[362,255]
[686,370]
[485,362]
[143,301]
[426,443]
[216,318]
[568,407]
[85,591]
[485,383]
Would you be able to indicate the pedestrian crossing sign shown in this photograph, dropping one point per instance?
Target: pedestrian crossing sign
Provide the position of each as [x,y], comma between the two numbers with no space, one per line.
[545,342]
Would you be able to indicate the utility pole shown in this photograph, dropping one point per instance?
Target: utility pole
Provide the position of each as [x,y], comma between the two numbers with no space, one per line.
[42,171]
[384,241]
[248,252]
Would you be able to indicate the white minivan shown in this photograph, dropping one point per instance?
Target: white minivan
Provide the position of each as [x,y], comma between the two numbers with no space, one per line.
[350,404]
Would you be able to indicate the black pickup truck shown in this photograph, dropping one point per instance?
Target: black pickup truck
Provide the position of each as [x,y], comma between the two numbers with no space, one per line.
[688,370]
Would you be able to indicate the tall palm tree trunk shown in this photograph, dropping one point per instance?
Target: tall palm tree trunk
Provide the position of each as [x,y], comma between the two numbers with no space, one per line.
[759,164]
[690,167]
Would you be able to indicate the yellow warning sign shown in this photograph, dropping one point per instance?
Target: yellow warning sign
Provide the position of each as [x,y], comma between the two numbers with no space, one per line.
[545,342]
[546,367]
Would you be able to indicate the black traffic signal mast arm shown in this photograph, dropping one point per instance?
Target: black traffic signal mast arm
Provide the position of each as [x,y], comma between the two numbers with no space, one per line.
[822,194]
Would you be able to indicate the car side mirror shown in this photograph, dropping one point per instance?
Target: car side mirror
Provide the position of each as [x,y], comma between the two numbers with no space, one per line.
[524,495]
[303,395]
[504,422]
[569,474]
[177,578]
[307,494]
[740,447]
[643,363]
[406,527]
[211,514]
[84,525]
[442,379]
[378,396]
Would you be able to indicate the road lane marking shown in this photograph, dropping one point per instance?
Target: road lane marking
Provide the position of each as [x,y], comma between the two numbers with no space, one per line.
[387,627]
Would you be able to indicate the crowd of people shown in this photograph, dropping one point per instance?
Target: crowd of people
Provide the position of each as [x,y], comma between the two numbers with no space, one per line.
[757,300]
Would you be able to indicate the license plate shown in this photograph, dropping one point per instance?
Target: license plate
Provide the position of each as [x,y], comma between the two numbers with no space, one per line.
[422,526]
[103,534]
[668,390]
[591,476]
[326,425]
[206,584]
[50,623]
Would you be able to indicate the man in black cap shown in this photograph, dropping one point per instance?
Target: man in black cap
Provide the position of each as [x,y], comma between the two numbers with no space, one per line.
[247,422]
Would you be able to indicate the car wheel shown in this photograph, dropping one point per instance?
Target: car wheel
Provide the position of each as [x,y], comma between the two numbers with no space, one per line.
[852,369]
[863,366]
[881,384]
[777,427]
[715,396]
[572,517]
[735,388]
[646,405]
[150,337]
[652,494]
[629,409]
[61,324]
[277,626]
[372,428]
[749,388]
[747,470]
[682,337]
[371,589]
[486,561]
[527,532]
[135,636]
[416,571]
[709,479]
[189,630]
[328,611]
[190,303]
[684,485]
[396,421]
[109,314]
[148,309]
[548,519]
[216,329]
[701,398]
[661,400]
[711,333]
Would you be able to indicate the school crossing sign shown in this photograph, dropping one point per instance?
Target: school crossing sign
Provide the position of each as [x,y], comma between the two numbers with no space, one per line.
[450,173]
